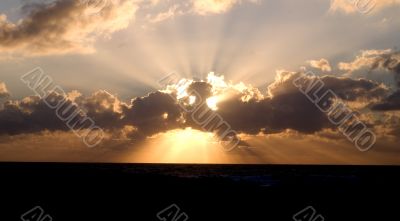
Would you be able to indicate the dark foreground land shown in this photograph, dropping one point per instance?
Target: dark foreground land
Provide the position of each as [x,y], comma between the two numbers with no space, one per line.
[118,192]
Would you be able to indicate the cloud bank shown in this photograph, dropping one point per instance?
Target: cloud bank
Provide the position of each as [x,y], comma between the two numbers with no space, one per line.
[277,112]
[246,109]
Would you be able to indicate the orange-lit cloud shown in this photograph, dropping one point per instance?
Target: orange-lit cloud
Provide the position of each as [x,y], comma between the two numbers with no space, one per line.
[197,7]
[371,59]
[189,146]
[387,61]
[245,108]
[280,125]
[204,7]
[3,90]
[321,64]
[63,27]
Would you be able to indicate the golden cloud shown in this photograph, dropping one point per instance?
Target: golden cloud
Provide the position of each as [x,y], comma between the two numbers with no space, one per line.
[205,7]
[321,64]
[63,27]
[3,90]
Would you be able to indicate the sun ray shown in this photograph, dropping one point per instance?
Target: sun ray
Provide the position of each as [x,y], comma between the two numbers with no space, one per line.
[182,146]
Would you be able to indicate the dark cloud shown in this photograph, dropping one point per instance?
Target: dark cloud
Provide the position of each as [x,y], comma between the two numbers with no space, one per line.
[155,113]
[244,108]
[375,60]
[104,108]
[355,89]
[390,103]
[288,108]
[52,113]
[390,62]
[29,115]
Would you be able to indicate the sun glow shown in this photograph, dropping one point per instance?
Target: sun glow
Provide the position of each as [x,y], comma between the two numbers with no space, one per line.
[192,100]
[182,146]
[212,103]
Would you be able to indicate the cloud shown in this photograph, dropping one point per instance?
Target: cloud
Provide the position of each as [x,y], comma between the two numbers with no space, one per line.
[172,9]
[373,60]
[56,146]
[389,123]
[172,12]
[287,108]
[33,114]
[245,108]
[321,64]
[154,113]
[3,90]
[143,117]
[205,7]
[392,102]
[362,6]
[289,147]
[279,112]
[379,60]
[63,26]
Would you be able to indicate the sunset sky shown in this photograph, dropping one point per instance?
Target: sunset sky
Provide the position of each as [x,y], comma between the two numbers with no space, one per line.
[240,56]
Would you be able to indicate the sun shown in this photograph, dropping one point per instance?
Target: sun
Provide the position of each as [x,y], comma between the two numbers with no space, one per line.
[212,103]
[182,146]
